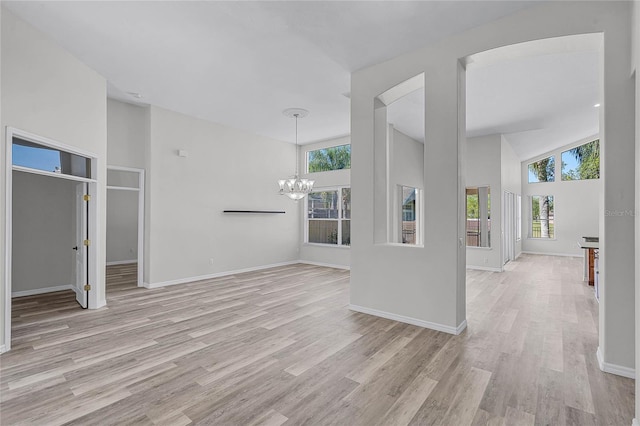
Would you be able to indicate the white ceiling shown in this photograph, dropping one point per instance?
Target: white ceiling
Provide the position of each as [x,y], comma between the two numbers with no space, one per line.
[540,95]
[242,63]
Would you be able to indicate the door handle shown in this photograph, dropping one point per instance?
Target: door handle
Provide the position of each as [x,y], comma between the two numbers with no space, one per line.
[75,248]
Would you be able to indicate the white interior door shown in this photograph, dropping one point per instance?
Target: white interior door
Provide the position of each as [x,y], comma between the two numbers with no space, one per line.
[80,248]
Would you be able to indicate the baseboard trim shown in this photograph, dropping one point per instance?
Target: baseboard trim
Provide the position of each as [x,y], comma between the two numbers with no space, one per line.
[409,320]
[484,268]
[216,275]
[101,303]
[618,370]
[42,290]
[121,262]
[635,422]
[3,349]
[551,254]
[326,265]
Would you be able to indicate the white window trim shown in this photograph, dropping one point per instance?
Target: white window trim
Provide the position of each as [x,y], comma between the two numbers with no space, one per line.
[569,149]
[397,235]
[306,160]
[530,225]
[555,166]
[339,219]
[519,217]
[490,246]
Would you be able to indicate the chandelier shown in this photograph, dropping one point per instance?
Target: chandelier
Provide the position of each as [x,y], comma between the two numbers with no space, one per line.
[295,187]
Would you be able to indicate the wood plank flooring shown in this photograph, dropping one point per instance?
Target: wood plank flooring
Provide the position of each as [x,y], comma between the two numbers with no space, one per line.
[279,346]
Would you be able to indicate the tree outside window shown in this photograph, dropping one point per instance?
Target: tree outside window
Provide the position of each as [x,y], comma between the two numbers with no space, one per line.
[328,159]
[582,162]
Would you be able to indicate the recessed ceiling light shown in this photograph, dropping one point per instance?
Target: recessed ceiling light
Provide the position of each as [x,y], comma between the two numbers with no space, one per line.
[596,105]
[135,95]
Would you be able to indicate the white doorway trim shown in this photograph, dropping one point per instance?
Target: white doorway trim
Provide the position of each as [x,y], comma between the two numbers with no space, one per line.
[508,227]
[92,216]
[140,191]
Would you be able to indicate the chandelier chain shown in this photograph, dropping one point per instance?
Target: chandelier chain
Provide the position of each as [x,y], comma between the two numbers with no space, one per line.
[294,186]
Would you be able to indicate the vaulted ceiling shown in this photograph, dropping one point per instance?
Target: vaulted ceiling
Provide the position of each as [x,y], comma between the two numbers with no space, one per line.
[242,63]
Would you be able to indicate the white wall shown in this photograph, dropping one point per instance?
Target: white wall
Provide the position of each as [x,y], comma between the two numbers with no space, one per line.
[635,51]
[127,139]
[44,232]
[339,256]
[127,133]
[511,179]
[122,226]
[432,290]
[226,169]
[483,168]
[616,235]
[48,92]
[408,164]
[576,208]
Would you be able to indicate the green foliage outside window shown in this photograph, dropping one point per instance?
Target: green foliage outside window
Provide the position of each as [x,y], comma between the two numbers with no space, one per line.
[327,159]
[543,170]
[585,163]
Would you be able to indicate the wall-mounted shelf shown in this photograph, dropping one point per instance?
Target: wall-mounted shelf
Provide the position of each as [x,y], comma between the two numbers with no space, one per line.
[255,211]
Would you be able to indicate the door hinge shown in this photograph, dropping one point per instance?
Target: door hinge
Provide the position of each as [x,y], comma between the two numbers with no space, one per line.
[87,242]
[87,287]
[86,197]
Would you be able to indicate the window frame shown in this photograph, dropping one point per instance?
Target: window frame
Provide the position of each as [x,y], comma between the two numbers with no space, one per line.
[306,158]
[396,232]
[488,217]
[530,226]
[562,179]
[400,216]
[339,219]
[555,165]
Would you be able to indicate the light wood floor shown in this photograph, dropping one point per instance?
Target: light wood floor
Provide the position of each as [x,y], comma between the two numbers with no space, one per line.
[280,347]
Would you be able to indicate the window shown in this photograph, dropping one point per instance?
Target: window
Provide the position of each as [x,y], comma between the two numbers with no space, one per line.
[519,218]
[410,223]
[327,159]
[41,157]
[478,223]
[582,162]
[329,217]
[542,217]
[542,170]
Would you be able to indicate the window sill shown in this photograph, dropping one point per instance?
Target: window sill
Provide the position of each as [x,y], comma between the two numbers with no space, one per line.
[344,247]
[541,239]
[480,248]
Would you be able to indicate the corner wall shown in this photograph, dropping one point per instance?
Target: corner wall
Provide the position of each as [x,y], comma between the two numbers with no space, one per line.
[188,234]
[635,53]
[576,207]
[48,92]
